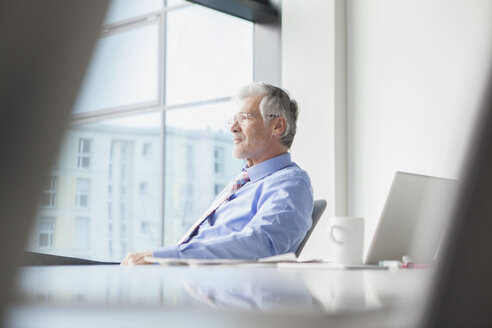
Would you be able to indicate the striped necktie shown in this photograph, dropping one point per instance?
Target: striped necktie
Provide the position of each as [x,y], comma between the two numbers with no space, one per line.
[233,187]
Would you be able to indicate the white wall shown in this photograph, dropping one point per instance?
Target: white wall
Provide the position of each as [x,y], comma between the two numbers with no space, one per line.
[414,72]
[311,68]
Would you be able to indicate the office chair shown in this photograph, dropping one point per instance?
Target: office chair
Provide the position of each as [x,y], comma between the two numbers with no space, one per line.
[319,208]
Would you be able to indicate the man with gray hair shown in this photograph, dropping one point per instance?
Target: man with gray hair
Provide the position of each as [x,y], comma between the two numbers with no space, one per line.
[266,210]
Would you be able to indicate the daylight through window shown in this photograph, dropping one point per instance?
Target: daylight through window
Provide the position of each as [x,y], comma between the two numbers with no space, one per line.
[148,146]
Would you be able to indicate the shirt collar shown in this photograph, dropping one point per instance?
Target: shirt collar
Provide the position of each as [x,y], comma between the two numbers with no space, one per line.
[261,170]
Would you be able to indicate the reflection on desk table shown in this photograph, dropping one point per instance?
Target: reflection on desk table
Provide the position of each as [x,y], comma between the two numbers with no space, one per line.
[250,289]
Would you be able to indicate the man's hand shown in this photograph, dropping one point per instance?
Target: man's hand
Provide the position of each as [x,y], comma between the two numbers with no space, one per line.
[135,259]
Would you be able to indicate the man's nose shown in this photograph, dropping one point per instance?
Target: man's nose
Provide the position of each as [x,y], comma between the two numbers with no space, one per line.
[235,127]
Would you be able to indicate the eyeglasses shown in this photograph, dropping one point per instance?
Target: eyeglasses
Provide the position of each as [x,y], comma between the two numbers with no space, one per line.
[241,118]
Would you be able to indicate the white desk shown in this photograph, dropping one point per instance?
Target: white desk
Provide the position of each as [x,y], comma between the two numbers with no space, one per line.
[213,296]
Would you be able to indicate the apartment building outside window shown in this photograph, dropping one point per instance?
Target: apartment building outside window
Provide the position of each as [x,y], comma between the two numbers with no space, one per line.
[219,160]
[83,193]
[82,233]
[146,149]
[143,189]
[85,150]
[46,232]
[218,188]
[48,198]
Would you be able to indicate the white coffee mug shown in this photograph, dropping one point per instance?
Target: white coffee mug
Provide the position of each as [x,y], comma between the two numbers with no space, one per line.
[347,239]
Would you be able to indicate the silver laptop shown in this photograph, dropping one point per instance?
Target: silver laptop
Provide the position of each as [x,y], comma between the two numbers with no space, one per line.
[413,219]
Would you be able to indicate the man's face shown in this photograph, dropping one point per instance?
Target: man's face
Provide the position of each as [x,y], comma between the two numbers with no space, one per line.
[252,140]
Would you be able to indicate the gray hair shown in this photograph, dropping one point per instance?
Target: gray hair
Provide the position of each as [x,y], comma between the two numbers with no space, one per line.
[275,103]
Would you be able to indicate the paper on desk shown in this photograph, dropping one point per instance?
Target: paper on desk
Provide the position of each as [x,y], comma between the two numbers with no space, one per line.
[328,265]
[289,257]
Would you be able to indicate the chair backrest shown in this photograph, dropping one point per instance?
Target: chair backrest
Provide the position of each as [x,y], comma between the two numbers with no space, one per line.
[318,209]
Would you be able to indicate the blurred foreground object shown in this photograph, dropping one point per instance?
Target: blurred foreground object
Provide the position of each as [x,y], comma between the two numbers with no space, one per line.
[45,48]
[462,289]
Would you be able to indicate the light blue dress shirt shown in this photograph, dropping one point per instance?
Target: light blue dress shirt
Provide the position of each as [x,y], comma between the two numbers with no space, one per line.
[268,216]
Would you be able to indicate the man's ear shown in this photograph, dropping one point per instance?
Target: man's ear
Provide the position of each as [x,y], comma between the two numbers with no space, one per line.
[279,126]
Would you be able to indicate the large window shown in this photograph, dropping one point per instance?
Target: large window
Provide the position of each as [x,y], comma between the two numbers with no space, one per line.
[148,146]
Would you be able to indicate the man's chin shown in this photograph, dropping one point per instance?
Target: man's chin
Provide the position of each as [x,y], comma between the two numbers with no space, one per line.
[237,154]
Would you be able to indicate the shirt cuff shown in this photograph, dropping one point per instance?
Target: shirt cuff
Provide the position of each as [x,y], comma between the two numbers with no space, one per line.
[167,252]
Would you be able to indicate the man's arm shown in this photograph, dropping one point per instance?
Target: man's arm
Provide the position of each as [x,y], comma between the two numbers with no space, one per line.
[282,219]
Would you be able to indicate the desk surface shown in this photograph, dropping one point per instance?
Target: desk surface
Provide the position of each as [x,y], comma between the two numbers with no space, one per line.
[151,294]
